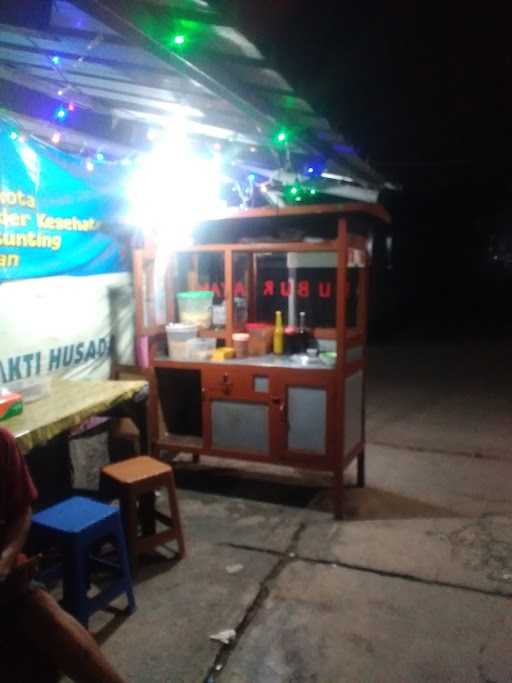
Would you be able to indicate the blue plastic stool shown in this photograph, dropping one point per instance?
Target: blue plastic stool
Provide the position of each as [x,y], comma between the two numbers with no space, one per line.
[75,525]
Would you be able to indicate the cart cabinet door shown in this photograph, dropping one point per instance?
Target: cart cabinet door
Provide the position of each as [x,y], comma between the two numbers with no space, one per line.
[239,426]
[306,405]
[307,419]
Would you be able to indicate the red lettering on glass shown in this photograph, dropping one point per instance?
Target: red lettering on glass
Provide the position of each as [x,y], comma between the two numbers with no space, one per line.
[286,288]
[324,290]
[303,289]
[268,288]
[217,290]
[239,289]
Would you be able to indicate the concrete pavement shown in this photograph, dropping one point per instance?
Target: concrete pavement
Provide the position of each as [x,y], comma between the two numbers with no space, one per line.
[414,586]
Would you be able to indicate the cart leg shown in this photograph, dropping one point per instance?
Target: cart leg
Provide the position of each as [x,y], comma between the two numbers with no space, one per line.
[338,494]
[361,469]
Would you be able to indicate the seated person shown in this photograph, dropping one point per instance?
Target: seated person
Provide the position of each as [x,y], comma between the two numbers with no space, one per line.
[34,630]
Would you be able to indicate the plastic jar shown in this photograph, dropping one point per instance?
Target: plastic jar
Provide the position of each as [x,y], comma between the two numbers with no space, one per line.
[260,338]
[241,344]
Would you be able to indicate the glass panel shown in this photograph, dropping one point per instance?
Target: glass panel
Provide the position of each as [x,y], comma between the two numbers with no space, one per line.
[237,425]
[261,384]
[153,292]
[242,276]
[294,282]
[196,272]
[307,416]
[353,354]
[352,297]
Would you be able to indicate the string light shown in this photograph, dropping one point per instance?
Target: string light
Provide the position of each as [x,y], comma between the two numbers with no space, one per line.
[56,59]
[179,40]
[247,192]
[61,114]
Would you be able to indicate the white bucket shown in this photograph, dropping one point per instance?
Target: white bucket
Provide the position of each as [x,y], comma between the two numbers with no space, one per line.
[177,336]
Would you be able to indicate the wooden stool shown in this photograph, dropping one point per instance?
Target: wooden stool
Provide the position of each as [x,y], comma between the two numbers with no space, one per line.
[134,481]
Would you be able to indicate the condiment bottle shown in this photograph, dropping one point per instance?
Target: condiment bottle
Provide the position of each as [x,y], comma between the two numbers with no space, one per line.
[278,338]
[304,335]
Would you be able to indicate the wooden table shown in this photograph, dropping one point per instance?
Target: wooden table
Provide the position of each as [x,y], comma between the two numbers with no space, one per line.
[69,403]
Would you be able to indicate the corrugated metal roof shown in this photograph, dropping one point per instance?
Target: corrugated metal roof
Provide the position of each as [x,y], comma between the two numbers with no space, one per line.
[117,61]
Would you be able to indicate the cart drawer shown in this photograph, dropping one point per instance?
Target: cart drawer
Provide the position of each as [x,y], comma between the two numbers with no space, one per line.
[231,380]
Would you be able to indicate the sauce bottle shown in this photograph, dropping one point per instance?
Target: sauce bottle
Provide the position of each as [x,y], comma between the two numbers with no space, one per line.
[304,334]
[278,338]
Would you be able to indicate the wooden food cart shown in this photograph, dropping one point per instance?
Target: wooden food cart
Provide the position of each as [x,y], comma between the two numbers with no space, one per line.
[271,408]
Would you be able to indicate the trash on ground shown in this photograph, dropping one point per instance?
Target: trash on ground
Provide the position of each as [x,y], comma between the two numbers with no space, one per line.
[234,568]
[224,636]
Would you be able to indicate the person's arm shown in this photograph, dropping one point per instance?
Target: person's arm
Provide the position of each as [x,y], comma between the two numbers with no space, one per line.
[17,493]
[15,536]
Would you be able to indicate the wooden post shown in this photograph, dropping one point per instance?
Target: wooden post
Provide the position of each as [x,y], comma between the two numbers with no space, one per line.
[341,342]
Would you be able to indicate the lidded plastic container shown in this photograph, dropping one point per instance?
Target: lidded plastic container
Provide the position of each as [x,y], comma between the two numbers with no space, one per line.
[199,349]
[241,344]
[195,308]
[178,334]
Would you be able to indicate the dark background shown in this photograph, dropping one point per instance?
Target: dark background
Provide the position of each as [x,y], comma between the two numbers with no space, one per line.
[422,91]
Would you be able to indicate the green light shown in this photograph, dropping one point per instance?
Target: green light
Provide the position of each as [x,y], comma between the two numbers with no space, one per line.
[312,192]
[298,199]
[179,40]
[281,137]
[294,190]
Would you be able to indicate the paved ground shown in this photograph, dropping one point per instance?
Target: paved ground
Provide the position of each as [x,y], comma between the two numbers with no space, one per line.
[451,397]
[414,586]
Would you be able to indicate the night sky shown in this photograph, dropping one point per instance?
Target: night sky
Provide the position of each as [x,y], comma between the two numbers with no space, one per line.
[409,84]
[422,90]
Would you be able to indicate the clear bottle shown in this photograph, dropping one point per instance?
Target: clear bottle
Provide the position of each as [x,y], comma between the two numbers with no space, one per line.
[278,338]
[304,335]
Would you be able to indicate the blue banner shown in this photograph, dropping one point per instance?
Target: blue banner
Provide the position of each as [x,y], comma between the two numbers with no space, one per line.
[56,217]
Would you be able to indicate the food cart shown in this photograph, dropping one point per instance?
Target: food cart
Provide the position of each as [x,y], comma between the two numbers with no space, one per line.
[298,409]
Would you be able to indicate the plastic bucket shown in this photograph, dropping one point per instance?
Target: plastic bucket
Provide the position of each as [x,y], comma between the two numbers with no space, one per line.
[177,336]
[195,308]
